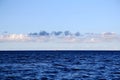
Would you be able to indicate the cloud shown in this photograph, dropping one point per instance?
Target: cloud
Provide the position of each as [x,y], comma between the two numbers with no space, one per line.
[59,41]
[14,37]
[60,36]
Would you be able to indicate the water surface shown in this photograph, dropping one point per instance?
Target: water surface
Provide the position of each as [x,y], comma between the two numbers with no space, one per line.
[59,65]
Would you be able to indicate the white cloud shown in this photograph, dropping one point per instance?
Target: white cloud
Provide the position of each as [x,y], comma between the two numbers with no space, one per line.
[94,42]
[14,37]
[71,38]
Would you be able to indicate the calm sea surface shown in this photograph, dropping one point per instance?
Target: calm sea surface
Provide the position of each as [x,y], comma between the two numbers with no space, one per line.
[59,65]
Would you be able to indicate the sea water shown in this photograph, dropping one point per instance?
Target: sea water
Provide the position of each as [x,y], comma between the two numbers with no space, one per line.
[59,65]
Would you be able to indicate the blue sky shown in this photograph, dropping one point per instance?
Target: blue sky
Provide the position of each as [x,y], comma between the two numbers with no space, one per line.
[24,16]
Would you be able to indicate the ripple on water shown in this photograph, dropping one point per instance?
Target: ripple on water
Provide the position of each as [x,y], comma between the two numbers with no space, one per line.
[59,66]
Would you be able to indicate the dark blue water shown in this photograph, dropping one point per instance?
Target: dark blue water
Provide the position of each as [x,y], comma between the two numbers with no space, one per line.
[59,65]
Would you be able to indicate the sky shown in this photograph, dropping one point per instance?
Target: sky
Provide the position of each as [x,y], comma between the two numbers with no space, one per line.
[24,16]
[84,16]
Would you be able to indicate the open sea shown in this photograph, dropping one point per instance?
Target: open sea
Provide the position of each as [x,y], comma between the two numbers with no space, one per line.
[60,65]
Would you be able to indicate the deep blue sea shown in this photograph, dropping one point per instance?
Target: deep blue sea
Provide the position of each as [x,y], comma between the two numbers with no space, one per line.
[59,65]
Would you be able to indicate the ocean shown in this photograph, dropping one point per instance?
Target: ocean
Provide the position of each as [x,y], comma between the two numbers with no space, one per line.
[60,65]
